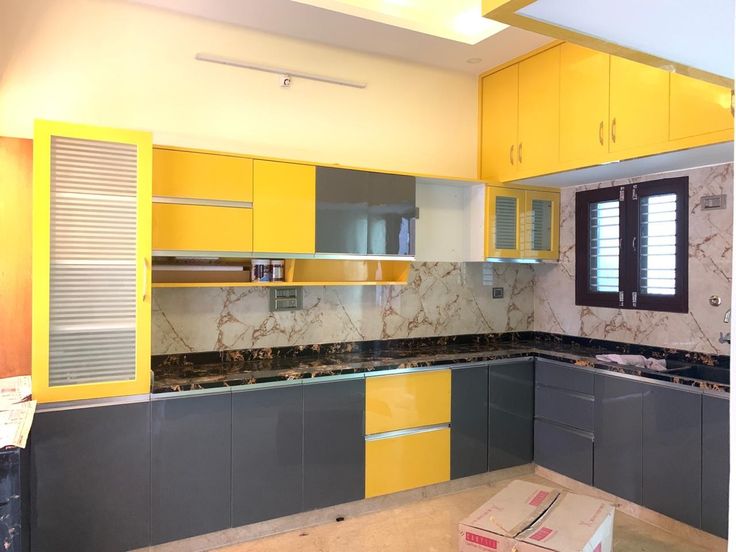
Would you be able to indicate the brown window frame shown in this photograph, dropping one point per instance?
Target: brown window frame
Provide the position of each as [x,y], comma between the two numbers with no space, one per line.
[630,236]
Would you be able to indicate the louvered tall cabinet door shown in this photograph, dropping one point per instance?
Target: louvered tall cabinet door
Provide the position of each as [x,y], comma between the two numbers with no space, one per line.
[91,262]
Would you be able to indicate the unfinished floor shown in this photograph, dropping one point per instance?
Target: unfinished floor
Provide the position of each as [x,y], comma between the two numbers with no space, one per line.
[430,525]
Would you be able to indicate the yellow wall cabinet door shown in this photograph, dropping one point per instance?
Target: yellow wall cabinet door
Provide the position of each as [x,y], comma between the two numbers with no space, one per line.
[583,105]
[197,175]
[202,228]
[407,401]
[539,113]
[91,262]
[284,207]
[639,105]
[504,222]
[394,464]
[499,125]
[698,107]
[542,226]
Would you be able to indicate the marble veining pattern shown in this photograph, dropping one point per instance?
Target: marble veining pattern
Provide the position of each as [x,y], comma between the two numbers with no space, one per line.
[709,273]
[440,299]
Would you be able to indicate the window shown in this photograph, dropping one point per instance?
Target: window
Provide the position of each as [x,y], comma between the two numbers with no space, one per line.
[631,246]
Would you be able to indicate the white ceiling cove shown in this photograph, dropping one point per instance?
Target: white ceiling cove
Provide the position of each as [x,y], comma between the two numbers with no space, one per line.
[308,22]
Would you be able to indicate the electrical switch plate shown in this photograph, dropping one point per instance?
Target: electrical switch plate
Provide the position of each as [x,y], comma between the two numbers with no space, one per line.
[285,299]
[497,292]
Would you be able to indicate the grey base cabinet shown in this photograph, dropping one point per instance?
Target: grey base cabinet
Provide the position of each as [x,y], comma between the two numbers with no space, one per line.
[91,479]
[715,465]
[565,450]
[618,436]
[334,446]
[469,434]
[511,413]
[191,466]
[267,453]
[672,452]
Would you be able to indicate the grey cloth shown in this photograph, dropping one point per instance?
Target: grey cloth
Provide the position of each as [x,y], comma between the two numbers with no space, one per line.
[658,364]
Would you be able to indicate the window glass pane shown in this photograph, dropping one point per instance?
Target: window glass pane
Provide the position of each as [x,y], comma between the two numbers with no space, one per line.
[541,215]
[657,252]
[604,246]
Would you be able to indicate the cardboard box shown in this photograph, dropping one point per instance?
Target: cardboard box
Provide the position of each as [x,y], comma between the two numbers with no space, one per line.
[526,517]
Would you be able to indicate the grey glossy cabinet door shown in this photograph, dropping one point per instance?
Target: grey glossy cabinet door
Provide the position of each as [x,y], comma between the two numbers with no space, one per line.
[191,463]
[618,436]
[672,452]
[469,434]
[364,213]
[334,446]
[511,413]
[566,450]
[715,465]
[267,453]
[91,479]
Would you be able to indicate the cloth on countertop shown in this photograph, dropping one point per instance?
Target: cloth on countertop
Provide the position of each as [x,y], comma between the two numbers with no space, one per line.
[658,364]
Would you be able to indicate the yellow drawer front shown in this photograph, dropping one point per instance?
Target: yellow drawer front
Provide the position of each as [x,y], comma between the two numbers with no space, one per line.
[195,175]
[202,228]
[407,401]
[399,463]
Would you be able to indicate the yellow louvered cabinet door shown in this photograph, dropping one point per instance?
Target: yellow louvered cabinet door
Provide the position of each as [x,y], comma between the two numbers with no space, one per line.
[583,106]
[91,262]
[699,108]
[284,207]
[504,222]
[639,106]
[542,225]
[539,114]
[499,125]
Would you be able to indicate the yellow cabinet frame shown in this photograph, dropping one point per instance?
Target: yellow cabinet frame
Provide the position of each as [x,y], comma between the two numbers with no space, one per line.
[492,193]
[42,391]
[553,253]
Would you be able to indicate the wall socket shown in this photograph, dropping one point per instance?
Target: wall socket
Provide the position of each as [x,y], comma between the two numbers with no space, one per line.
[285,299]
[497,292]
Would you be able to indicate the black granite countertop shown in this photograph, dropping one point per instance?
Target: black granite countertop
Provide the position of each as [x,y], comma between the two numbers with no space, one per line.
[185,372]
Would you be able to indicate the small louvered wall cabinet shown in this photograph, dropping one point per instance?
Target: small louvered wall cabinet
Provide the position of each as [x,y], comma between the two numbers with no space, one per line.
[522,223]
[91,262]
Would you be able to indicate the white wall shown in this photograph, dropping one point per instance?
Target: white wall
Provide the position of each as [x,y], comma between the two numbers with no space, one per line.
[109,62]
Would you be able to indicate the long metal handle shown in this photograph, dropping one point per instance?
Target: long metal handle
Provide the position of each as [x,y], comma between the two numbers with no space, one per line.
[511,154]
[600,133]
[145,279]
[520,146]
[613,130]
[633,244]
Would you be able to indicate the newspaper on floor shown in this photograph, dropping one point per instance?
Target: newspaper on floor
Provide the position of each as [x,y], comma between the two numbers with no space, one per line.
[16,411]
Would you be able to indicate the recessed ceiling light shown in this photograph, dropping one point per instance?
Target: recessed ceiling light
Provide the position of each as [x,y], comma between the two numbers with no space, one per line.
[474,60]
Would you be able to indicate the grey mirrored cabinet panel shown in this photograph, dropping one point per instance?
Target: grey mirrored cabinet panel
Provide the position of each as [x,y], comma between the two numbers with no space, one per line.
[364,213]
[715,465]
[469,415]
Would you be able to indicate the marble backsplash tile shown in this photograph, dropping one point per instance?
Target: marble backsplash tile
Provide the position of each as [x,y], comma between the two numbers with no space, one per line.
[440,299]
[709,273]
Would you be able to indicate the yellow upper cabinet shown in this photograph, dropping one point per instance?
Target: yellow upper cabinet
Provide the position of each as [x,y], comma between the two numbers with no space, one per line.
[698,107]
[639,107]
[202,228]
[499,124]
[284,207]
[542,226]
[504,222]
[539,113]
[584,81]
[198,175]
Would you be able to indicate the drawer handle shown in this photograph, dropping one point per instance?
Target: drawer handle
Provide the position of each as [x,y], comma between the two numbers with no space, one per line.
[404,432]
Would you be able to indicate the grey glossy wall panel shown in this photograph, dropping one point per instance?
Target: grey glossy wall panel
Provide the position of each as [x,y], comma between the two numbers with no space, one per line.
[564,376]
[191,449]
[511,413]
[362,212]
[564,450]
[564,407]
[267,453]
[672,452]
[715,465]
[469,435]
[91,479]
[334,445]
[618,437]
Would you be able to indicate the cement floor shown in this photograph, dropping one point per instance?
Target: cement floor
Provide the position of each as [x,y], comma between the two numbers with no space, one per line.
[430,525]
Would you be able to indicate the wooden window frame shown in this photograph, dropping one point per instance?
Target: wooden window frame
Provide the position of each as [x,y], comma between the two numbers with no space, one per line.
[629,258]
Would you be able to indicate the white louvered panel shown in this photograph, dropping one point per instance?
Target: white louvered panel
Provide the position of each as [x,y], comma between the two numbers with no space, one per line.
[541,223]
[604,246]
[505,222]
[92,301]
[658,250]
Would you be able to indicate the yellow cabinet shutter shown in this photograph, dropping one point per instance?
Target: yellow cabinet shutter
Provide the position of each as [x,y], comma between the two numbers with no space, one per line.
[499,124]
[698,107]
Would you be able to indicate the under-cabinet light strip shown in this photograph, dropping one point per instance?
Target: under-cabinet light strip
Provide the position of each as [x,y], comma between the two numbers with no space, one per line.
[212,58]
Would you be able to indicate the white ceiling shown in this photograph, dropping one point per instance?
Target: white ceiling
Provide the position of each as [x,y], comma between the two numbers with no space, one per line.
[307,22]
